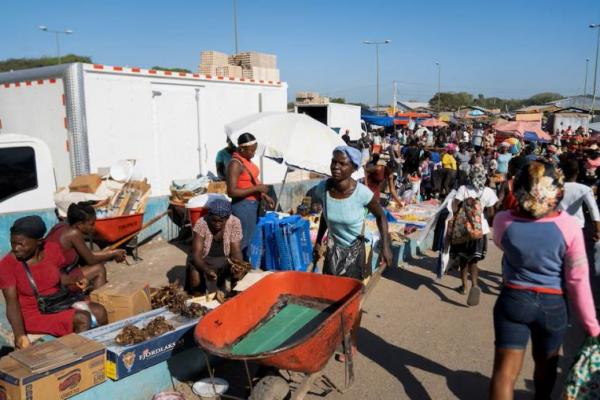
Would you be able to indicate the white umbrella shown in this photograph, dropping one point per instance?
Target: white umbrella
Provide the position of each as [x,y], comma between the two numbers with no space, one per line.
[295,139]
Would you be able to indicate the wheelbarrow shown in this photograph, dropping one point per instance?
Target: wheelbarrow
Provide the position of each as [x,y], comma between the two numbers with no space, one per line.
[289,320]
[114,232]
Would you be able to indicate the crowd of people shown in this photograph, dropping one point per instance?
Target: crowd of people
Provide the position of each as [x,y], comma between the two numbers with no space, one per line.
[529,196]
[540,200]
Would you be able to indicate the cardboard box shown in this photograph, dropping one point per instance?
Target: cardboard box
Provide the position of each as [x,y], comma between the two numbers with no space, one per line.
[217,187]
[122,361]
[123,299]
[85,183]
[83,370]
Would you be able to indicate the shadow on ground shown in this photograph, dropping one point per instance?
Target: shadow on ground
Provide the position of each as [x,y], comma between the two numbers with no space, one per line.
[464,385]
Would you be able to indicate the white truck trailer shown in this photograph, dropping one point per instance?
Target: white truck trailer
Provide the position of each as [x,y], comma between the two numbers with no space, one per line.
[91,116]
[335,115]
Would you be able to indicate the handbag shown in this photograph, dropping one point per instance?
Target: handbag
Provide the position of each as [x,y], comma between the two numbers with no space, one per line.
[583,379]
[62,300]
[350,261]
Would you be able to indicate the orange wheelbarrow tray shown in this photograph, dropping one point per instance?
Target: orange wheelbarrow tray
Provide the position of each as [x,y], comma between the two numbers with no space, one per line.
[113,229]
[288,320]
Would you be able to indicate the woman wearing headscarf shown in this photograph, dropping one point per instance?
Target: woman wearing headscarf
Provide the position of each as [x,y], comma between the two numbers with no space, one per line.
[544,263]
[217,237]
[344,202]
[31,256]
[470,252]
[245,188]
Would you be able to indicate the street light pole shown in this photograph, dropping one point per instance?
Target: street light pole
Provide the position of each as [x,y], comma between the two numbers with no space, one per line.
[56,35]
[587,62]
[235,27]
[377,63]
[439,85]
[595,26]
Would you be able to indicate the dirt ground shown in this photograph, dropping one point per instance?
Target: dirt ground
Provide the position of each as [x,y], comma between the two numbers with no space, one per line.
[418,338]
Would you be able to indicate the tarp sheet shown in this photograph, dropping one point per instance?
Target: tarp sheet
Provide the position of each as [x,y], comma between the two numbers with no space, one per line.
[378,120]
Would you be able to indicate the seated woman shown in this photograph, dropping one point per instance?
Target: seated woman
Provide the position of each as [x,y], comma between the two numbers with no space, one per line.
[42,260]
[80,263]
[218,236]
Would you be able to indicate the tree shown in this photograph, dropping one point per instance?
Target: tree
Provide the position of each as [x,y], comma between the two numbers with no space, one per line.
[15,64]
[159,68]
[451,101]
[543,98]
[339,100]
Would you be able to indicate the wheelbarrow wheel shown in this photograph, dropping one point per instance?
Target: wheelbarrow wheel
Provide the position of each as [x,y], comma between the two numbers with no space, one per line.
[270,388]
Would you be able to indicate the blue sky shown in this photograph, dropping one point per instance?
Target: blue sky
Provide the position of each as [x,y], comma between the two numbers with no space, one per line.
[510,48]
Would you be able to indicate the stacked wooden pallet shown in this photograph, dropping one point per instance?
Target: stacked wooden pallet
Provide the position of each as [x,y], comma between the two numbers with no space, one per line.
[249,65]
[210,60]
[255,59]
[310,98]
[229,71]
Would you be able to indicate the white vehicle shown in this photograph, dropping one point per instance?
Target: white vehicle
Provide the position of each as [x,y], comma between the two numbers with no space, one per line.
[76,119]
[171,123]
[337,116]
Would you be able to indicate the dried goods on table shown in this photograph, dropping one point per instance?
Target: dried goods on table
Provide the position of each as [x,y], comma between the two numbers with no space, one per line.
[176,300]
[131,334]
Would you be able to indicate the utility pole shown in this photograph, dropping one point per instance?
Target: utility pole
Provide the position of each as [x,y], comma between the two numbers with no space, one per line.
[595,26]
[587,62]
[377,62]
[439,86]
[56,35]
[395,99]
[235,26]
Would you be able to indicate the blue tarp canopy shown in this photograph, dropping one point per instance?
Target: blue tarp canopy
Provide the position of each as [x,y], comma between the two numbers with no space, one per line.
[530,136]
[378,120]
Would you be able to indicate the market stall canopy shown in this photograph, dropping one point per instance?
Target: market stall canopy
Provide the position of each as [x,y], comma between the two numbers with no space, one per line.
[295,139]
[433,123]
[518,129]
[378,120]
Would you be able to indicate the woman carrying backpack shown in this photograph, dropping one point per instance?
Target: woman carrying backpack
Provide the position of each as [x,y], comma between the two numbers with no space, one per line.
[472,204]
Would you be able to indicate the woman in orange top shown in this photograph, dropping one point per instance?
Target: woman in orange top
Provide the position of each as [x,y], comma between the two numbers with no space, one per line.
[244,187]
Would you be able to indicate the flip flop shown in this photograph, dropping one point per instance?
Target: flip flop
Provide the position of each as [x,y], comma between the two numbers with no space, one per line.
[474,295]
[461,289]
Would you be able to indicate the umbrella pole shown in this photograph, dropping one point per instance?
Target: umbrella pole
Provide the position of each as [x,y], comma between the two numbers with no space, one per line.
[282,187]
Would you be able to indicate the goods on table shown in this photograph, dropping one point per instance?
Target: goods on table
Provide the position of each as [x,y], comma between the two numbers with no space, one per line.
[131,334]
[176,300]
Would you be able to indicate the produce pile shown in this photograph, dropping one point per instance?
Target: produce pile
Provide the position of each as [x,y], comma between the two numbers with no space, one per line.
[131,334]
[239,268]
[174,298]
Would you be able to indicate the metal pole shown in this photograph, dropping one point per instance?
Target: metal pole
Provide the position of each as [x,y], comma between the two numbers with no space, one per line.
[395,98]
[57,46]
[235,28]
[587,62]
[377,56]
[595,71]
[439,86]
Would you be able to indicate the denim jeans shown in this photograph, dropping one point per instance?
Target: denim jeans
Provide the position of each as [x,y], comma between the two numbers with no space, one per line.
[247,212]
[519,314]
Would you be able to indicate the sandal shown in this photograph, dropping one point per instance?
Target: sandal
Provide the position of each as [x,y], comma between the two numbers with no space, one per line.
[474,295]
[461,289]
